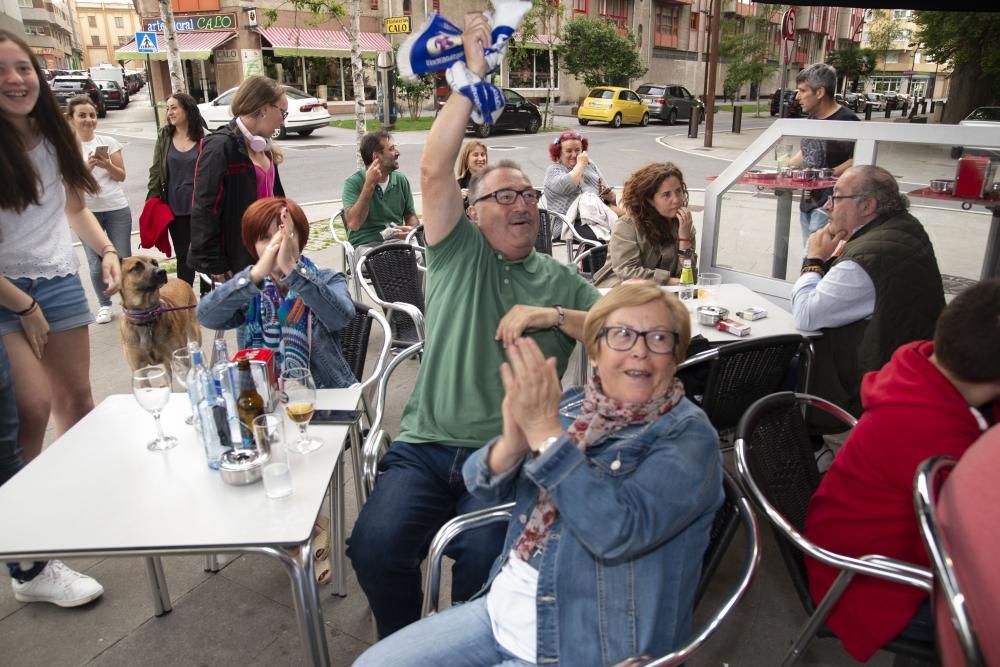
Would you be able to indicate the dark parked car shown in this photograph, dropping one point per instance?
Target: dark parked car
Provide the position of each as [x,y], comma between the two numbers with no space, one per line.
[115,97]
[518,114]
[792,107]
[852,101]
[893,100]
[669,102]
[66,87]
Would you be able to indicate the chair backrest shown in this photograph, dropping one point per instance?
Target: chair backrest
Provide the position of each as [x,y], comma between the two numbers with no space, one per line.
[724,527]
[772,442]
[925,487]
[739,373]
[392,269]
[590,261]
[543,242]
[354,340]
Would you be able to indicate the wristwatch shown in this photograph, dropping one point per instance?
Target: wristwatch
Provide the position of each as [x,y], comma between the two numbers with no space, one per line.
[562,316]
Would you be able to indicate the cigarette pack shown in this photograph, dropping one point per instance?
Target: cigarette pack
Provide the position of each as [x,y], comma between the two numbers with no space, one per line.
[733,327]
[753,313]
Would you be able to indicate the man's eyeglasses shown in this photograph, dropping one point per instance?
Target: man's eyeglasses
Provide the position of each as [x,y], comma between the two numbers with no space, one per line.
[834,198]
[508,196]
[623,339]
[284,112]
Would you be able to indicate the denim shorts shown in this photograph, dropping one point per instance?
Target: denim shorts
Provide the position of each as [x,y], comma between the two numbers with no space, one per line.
[62,300]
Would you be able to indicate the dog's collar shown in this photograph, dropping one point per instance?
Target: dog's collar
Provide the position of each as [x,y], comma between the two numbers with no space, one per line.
[147,316]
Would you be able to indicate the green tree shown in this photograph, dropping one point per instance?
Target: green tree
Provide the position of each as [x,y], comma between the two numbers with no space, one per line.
[414,91]
[541,24]
[971,44]
[746,45]
[881,29]
[597,54]
[852,63]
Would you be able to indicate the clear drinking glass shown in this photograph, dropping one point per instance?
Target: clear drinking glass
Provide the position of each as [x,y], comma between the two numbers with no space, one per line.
[151,388]
[269,434]
[180,365]
[708,289]
[783,154]
[299,394]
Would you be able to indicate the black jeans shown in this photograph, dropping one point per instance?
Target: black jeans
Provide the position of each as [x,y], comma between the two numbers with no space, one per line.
[180,236]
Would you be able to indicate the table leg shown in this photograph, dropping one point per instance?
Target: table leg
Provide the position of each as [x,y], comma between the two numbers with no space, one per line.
[782,222]
[158,582]
[356,444]
[338,539]
[212,563]
[991,260]
[298,563]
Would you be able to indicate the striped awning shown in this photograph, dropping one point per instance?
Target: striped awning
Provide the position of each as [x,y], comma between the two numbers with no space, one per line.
[320,43]
[190,45]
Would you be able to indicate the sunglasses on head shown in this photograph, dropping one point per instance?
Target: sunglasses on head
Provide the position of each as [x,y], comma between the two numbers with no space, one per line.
[567,136]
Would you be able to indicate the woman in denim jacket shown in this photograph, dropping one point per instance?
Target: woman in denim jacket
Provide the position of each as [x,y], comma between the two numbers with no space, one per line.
[284,302]
[616,488]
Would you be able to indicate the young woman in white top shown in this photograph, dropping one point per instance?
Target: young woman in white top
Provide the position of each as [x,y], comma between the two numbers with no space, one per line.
[43,310]
[110,206]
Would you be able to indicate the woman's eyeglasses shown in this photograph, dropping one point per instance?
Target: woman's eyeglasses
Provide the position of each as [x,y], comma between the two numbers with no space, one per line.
[623,339]
[284,112]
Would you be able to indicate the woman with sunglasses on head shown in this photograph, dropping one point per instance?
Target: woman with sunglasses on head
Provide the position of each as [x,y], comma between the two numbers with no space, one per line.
[616,486]
[572,174]
[238,165]
[44,314]
[652,241]
[171,176]
[109,205]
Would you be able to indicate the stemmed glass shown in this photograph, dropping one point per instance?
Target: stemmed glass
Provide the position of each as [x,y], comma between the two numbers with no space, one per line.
[180,364]
[151,388]
[300,401]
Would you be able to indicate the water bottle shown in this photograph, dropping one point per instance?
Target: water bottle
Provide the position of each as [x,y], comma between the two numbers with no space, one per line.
[687,281]
[200,387]
[226,388]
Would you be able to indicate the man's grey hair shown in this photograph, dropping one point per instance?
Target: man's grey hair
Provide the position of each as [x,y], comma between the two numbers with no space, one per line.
[819,76]
[478,178]
[878,183]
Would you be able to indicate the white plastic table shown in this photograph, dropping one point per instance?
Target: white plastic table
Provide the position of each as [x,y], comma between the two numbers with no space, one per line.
[97,491]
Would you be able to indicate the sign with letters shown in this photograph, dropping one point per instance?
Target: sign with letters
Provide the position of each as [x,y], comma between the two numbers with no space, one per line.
[397,25]
[193,23]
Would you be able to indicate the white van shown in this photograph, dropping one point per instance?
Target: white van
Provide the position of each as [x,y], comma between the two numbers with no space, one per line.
[108,73]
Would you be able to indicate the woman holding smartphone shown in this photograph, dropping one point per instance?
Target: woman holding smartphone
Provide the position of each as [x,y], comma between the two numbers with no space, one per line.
[103,155]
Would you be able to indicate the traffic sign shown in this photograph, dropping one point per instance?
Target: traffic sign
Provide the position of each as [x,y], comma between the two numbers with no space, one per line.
[146,42]
[788,24]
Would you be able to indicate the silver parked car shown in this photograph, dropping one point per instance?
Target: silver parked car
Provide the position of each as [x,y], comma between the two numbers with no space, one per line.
[668,101]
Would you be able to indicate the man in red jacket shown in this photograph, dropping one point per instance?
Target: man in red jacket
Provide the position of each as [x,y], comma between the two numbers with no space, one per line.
[932,398]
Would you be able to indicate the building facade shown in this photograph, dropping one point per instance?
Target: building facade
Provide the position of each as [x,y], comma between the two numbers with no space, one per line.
[50,32]
[904,68]
[103,27]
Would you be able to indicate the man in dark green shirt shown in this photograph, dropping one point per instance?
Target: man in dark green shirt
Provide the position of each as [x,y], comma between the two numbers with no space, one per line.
[486,287]
[378,196]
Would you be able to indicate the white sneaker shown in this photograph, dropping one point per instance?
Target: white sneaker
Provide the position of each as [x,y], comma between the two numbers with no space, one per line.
[104,314]
[59,585]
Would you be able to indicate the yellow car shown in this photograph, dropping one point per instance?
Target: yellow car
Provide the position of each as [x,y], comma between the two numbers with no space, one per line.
[614,106]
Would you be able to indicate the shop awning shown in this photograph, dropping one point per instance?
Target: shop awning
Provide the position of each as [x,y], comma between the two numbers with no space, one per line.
[191,46]
[320,43]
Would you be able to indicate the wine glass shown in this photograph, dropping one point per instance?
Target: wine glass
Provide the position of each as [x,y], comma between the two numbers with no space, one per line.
[151,388]
[180,364]
[300,401]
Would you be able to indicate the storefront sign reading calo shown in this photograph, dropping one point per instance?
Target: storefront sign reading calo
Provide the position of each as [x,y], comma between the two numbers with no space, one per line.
[195,23]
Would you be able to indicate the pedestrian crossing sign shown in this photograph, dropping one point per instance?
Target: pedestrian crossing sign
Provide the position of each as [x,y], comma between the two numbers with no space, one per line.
[146,42]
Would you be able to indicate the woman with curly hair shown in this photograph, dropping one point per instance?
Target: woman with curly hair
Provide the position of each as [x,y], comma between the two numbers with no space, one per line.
[657,234]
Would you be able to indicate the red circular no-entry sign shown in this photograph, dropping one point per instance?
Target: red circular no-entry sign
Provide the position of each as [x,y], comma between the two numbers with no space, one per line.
[788,24]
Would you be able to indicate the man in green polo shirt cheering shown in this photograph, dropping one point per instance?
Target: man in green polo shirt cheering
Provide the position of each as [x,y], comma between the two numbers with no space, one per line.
[486,286]
[379,195]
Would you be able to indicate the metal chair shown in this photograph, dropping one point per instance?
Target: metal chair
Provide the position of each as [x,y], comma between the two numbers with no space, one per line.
[777,468]
[925,488]
[741,372]
[378,439]
[396,286]
[543,242]
[734,511]
[349,253]
[593,258]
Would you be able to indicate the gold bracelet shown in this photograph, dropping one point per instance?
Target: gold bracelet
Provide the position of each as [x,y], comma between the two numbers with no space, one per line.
[812,268]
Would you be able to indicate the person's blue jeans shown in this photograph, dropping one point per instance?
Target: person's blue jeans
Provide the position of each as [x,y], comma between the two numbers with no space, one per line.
[118,226]
[810,222]
[11,458]
[461,636]
[419,487]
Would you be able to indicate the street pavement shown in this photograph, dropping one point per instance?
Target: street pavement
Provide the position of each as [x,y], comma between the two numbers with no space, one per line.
[243,614]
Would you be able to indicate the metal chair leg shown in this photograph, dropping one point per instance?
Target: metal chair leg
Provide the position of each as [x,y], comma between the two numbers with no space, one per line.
[337,537]
[356,444]
[212,563]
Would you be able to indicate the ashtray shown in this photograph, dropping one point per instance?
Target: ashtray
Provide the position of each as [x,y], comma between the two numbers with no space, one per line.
[710,315]
[240,467]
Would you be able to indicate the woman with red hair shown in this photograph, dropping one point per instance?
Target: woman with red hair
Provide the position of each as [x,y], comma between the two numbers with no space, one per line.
[572,174]
[283,302]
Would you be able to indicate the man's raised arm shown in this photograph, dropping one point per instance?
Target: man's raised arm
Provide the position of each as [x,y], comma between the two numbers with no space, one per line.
[441,194]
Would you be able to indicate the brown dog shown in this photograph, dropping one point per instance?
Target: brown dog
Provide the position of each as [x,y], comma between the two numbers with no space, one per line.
[158,314]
